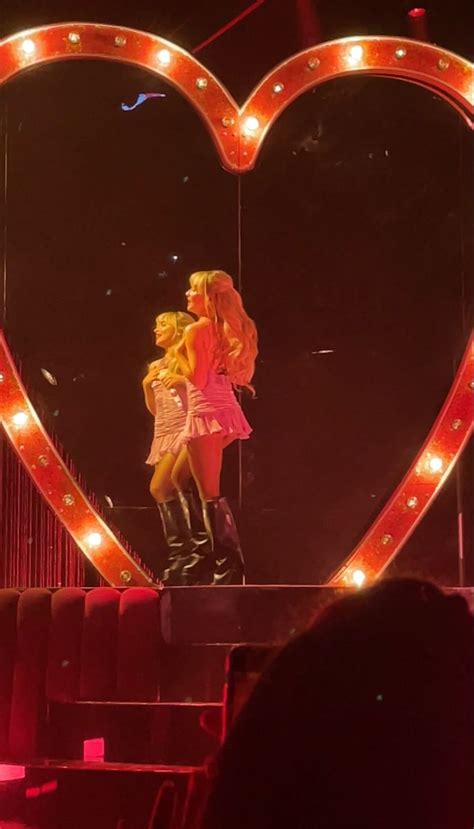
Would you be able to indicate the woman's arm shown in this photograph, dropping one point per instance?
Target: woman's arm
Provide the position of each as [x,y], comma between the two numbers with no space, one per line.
[196,361]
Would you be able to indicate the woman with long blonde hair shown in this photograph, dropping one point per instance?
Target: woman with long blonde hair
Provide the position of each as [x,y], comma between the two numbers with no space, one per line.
[216,356]
[164,389]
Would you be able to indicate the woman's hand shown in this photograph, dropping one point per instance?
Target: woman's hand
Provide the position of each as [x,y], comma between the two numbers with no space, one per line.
[153,374]
[170,380]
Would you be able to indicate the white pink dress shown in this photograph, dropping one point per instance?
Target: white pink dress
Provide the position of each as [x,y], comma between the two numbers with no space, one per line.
[214,408]
[170,419]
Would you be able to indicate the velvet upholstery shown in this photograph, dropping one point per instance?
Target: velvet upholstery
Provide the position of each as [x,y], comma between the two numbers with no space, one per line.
[72,644]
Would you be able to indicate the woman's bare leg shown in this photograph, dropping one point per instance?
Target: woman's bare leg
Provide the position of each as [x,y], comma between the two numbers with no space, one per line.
[205,459]
[181,472]
[174,518]
[161,485]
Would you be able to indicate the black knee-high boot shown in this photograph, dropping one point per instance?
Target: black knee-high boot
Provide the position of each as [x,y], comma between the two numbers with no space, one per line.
[177,533]
[199,566]
[199,532]
[229,562]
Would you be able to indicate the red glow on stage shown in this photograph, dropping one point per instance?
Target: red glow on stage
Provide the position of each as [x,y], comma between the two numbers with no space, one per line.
[9,773]
[94,749]
[418,23]
[51,786]
[33,792]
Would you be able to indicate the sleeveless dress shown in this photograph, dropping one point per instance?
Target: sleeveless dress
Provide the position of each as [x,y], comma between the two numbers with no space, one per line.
[214,408]
[170,419]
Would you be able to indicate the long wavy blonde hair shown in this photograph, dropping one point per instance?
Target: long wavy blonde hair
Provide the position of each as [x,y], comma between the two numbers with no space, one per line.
[179,320]
[236,334]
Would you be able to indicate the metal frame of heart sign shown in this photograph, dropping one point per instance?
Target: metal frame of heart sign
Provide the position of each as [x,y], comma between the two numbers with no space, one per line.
[238,134]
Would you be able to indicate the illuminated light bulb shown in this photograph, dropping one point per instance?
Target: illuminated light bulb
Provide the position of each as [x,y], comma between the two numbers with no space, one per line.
[94,539]
[277,88]
[358,577]
[435,464]
[164,57]
[28,47]
[20,419]
[251,124]
[355,55]
[2,377]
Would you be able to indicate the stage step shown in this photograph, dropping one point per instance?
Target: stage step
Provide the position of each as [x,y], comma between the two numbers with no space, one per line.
[232,615]
[193,673]
[136,732]
[78,795]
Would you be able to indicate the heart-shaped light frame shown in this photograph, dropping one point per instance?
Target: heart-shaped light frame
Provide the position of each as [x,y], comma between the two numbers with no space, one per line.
[238,134]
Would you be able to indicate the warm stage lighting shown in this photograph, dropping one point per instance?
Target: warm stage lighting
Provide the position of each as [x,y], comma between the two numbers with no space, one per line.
[28,47]
[251,124]
[354,56]
[358,577]
[434,464]
[10,772]
[164,57]
[20,419]
[417,12]
[94,539]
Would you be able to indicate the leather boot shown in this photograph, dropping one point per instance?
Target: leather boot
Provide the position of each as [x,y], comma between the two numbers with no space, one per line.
[192,505]
[177,533]
[229,562]
[199,565]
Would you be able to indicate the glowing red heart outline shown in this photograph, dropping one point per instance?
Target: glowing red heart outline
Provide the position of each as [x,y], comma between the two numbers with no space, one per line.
[238,142]
[71,506]
[421,484]
[445,73]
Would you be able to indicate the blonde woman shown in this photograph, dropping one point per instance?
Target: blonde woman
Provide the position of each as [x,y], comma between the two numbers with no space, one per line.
[216,355]
[168,454]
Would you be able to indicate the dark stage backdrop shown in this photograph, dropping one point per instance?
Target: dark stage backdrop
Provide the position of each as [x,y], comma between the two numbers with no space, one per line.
[356,257]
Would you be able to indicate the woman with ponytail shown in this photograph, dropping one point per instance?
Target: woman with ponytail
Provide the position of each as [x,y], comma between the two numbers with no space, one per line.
[216,356]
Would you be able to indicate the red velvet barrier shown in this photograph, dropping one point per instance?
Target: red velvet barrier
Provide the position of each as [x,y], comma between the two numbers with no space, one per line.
[8,613]
[138,645]
[99,645]
[65,642]
[28,698]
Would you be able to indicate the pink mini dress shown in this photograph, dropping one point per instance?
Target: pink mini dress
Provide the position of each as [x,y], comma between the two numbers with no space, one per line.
[214,408]
[170,419]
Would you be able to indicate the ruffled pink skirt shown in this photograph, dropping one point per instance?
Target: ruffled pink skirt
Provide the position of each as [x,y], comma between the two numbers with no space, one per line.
[215,409]
[162,444]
